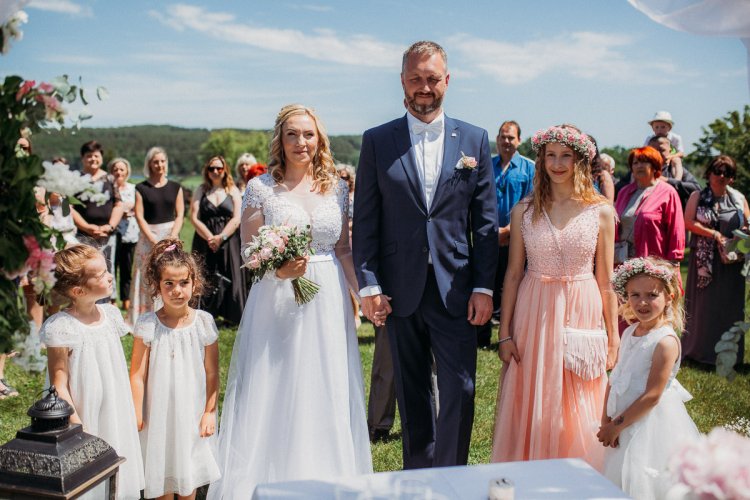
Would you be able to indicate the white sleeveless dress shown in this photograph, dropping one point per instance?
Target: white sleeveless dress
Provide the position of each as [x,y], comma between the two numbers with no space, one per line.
[294,406]
[639,464]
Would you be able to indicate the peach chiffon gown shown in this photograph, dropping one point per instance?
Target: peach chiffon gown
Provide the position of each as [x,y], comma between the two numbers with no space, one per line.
[544,410]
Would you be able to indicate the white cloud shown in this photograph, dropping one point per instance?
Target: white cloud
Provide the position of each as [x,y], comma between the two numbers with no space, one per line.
[62,7]
[322,44]
[313,7]
[585,55]
[75,60]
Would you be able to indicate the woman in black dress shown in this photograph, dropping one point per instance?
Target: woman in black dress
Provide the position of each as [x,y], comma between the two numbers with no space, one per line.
[215,213]
[159,210]
[715,293]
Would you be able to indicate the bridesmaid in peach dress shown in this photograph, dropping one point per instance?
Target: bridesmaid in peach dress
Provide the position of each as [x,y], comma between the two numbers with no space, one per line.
[558,331]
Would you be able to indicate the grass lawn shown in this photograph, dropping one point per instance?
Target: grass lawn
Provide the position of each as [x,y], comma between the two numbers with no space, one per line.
[716,401]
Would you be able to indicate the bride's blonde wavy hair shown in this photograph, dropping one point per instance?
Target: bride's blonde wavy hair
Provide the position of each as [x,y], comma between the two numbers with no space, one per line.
[583,185]
[323,168]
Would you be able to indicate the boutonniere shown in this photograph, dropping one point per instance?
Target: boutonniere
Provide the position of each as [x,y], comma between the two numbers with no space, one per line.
[466,162]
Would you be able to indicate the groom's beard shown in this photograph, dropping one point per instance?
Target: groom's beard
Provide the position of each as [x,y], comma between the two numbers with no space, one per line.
[424,109]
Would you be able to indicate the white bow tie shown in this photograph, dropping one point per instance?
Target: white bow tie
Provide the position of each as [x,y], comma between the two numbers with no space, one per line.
[420,128]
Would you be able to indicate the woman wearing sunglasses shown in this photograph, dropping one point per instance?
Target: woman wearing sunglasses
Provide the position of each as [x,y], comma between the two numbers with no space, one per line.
[715,293]
[215,213]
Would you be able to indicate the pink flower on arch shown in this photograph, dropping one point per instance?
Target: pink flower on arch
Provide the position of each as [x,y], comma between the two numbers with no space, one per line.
[25,89]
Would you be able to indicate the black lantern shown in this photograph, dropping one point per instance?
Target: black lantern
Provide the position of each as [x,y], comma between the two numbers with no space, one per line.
[54,459]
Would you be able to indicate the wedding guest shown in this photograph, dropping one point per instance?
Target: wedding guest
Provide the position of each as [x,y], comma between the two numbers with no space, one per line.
[674,173]
[160,211]
[715,292]
[215,214]
[425,251]
[86,363]
[242,170]
[661,125]
[381,403]
[645,421]
[649,211]
[6,390]
[174,377]
[127,229]
[99,221]
[514,180]
[294,403]
[600,175]
[554,347]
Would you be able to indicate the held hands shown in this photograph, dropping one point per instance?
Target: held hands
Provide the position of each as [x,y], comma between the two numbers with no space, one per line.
[208,424]
[292,269]
[214,242]
[508,350]
[376,308]
[503,236]
[609,432]
[480,308]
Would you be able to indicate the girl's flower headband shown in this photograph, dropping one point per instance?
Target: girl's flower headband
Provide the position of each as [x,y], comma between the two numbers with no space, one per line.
[568,136]
[634,267]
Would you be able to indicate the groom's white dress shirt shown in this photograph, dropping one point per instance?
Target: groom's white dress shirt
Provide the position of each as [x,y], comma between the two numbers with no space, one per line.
[427,140]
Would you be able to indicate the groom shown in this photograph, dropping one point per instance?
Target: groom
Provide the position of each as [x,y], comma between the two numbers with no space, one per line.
[425,252]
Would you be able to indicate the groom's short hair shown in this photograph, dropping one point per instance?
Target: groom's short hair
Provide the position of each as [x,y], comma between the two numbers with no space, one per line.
[424,48]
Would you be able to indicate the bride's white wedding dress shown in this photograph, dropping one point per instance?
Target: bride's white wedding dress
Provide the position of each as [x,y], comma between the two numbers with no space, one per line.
[294,406]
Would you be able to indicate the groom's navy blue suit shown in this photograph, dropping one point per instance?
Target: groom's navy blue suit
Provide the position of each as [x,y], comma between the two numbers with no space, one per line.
[394,233]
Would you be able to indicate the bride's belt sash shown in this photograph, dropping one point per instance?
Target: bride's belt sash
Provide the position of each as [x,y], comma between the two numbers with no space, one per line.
[546,278]
[321,257]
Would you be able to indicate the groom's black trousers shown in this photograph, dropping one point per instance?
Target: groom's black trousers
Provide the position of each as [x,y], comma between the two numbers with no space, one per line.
[430,330]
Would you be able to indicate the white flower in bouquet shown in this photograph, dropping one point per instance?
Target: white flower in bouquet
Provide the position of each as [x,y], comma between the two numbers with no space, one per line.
[713,466]
[29,348]
[58,178]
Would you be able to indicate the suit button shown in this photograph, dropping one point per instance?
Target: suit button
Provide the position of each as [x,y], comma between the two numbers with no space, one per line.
[429,220]
[424,249]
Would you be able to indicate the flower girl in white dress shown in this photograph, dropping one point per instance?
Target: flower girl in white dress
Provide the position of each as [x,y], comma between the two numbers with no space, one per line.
[644,418]
[294,406]
[86,363]
[174,374]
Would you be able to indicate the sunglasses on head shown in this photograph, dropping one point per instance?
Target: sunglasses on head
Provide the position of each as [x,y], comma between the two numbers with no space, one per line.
[215,169]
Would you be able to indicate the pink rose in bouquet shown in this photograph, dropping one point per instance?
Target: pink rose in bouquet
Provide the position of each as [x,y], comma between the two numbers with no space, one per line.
[275,245]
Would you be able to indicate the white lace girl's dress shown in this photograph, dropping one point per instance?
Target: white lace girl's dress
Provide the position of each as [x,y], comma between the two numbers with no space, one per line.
[294,406]
[175,457]
[100,386]
[639,464]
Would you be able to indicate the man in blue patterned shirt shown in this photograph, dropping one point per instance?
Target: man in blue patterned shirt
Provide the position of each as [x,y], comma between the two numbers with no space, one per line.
[514,177]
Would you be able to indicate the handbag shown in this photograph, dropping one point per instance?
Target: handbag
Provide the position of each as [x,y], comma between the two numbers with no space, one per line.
[215,298]
[584,349]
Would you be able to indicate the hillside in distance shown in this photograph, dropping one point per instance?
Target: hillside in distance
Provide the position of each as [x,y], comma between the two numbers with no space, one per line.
[183,145]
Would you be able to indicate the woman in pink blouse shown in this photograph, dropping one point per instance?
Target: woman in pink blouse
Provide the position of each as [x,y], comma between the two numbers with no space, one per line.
[651,220]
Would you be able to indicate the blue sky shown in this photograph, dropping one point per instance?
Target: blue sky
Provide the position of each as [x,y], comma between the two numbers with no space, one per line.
[601,65]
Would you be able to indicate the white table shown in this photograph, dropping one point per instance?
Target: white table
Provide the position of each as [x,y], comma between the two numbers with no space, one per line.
[560,479]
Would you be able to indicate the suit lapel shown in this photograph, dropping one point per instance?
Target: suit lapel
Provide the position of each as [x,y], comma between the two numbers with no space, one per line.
[451,155]
[403,143]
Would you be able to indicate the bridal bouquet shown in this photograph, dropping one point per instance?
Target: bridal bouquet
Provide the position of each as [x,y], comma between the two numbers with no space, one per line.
[272,247]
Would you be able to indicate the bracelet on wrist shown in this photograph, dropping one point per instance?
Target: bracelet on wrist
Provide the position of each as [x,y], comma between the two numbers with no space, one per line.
[504,340]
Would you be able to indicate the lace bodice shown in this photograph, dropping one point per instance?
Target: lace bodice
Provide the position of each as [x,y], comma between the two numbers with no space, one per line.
[324,213]
[577,240]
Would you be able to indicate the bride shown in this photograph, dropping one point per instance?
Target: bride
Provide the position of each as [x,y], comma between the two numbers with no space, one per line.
[294,406]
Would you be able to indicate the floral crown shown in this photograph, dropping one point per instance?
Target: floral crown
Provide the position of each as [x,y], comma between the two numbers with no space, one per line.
[634,267]
[568,136]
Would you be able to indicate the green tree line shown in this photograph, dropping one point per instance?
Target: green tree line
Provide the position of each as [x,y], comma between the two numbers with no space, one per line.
[187,148]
